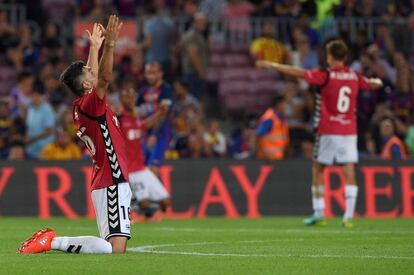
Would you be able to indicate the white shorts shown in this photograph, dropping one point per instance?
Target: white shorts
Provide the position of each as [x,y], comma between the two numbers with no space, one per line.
[146,186]
[112,207]
[341,149]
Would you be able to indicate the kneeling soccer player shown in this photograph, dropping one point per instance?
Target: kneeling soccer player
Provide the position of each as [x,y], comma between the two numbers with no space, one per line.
[99,128]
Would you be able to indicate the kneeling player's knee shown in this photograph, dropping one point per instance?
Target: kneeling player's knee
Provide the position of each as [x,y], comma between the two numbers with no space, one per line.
[164,204]
[119,244]
[144,204]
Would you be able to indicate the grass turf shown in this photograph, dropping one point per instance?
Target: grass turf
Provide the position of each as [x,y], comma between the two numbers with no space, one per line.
[223,246]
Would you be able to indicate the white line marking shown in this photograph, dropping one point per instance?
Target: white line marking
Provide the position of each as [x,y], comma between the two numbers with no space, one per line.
[288,231]
[153,249]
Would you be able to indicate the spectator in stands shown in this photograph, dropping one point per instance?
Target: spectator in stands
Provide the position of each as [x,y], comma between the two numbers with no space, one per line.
[384,40]
[63,148]
[6,128]
[272,131]
[67,122]
[17,150]
[194,56]
[21,93]
[187,115]
[213,9]
[59,10]
[324,12]
[215,144]
[367,9]
[361,44]
[159,33]
[51,45]
[40,122]
[127,7]
[266,47]
[303,23]
[300,132]
[55,93]
[243,141]
[30,52]
[7,32]
[409,138]
[287,8]
[392,148]
[347,8]
[183,99]
[403,37]
[303,56]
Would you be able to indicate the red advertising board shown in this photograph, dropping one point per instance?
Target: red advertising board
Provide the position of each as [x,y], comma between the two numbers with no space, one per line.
[214,188]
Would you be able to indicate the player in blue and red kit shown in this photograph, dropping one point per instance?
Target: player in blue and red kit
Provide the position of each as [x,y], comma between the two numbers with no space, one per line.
[150,97]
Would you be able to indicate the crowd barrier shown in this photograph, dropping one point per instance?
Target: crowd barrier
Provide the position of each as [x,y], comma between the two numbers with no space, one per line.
[213,188]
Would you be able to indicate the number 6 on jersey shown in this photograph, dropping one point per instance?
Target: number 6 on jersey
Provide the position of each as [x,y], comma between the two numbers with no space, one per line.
[343,99]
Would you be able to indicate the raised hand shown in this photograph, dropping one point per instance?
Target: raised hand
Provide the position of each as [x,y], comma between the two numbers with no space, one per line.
[112,30]
[97,36]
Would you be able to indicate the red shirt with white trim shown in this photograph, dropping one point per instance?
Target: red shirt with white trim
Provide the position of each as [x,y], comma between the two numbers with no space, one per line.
[133,130]
[99,129]
[335,108]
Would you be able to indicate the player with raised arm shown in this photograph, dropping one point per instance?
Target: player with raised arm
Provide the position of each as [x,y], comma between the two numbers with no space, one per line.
[335,123]
[99,128]
[146,188]
[150,98]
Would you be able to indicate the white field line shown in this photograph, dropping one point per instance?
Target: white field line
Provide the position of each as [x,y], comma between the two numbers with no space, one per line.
[154,249]
[287,231]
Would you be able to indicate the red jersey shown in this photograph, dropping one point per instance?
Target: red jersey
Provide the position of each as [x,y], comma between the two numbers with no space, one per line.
[133,130]
[99,129]
[337,100]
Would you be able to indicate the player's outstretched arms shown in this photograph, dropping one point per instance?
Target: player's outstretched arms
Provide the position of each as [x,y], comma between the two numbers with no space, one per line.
[95,43]
[281,68]
[107,60]
[375,83]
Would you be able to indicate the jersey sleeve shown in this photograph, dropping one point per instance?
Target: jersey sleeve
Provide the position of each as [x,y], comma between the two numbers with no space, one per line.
[92,104]
[363,83]
[316,77]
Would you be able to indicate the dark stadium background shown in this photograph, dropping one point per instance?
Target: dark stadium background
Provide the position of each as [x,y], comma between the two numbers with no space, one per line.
[38,39]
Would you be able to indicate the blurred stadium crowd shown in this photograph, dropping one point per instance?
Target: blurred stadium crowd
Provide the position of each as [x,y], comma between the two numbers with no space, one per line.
[218,94]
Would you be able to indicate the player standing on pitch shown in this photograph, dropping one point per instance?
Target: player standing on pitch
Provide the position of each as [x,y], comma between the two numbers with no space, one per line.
[150,98]
[99,128]
[147,189]
[335,123]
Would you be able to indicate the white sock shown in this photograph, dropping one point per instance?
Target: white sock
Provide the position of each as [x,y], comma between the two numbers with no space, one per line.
[83,244]
[320,207]
[314,200]
[351,192]
[318,201]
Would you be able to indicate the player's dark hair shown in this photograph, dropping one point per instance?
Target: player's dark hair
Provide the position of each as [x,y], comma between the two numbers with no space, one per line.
[277,99]
[71,77]
[24,75]
[337,49]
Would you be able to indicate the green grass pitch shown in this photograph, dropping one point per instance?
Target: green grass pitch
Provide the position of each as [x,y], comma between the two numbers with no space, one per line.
[223,246]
